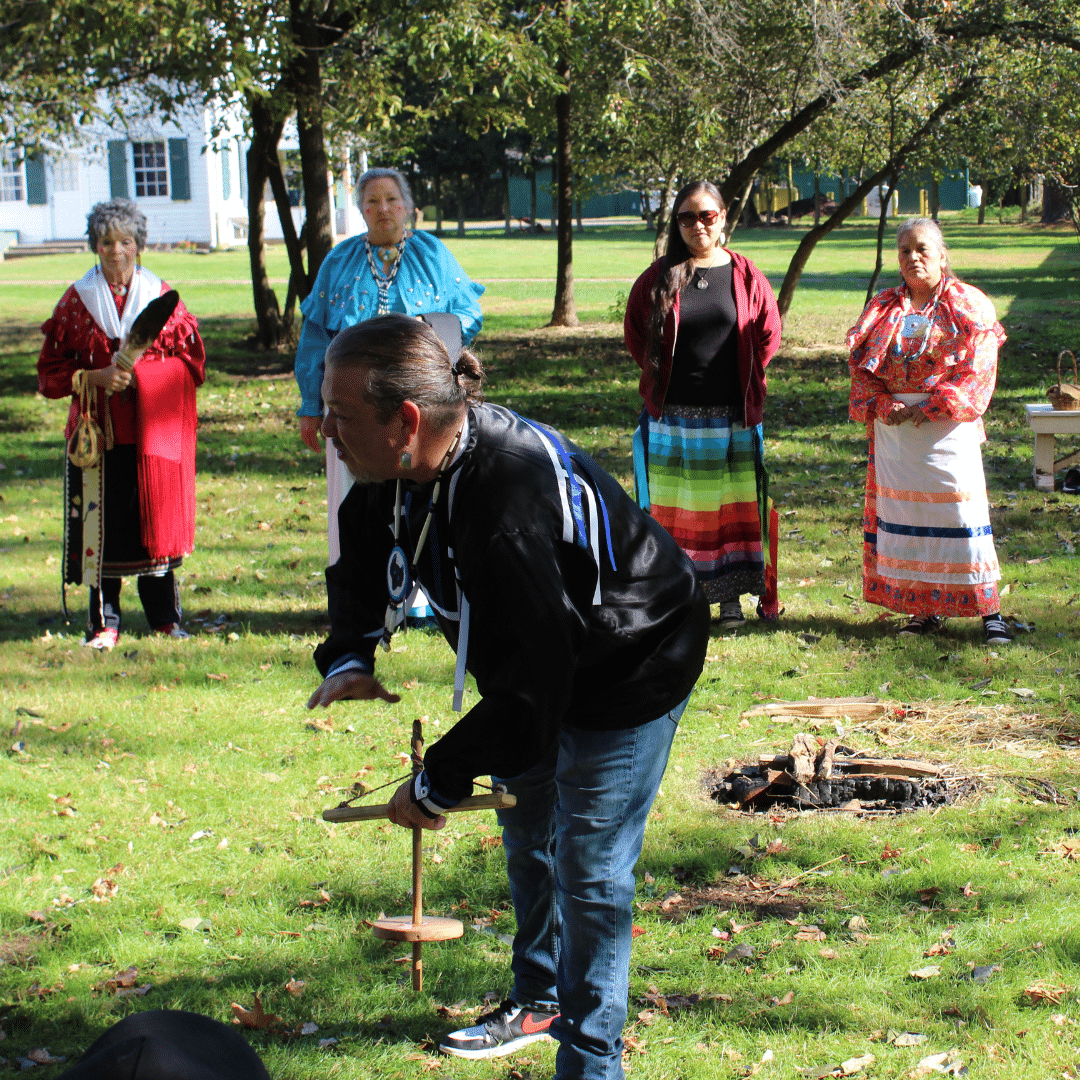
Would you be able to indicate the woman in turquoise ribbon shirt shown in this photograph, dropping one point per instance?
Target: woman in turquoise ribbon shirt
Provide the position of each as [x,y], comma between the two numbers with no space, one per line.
[388,268]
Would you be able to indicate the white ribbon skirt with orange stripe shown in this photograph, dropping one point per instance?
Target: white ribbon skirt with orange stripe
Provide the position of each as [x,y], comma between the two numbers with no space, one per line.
[933,517]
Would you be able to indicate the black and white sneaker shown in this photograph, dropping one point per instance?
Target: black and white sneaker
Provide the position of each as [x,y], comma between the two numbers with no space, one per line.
[920,624]
[504,1031]
[997,632]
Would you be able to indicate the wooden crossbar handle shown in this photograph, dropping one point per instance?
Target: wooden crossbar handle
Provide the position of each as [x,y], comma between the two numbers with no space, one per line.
[499,801]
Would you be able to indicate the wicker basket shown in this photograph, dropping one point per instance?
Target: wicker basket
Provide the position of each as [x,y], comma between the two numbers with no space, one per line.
[1065,397]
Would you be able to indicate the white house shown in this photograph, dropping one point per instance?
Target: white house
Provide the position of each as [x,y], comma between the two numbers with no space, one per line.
[189,177]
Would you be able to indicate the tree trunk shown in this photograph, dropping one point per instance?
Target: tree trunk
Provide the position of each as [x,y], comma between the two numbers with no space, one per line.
[663,215]
[735,212]
[646,206]
[506,195]
[577,212]
[264,138]
[1056,202]
[564,312]
[460,192]
[817,200]
[438,205]
[882,218]
[806,246]
[307,80]
[1025,198]
[532,196]
[293,245]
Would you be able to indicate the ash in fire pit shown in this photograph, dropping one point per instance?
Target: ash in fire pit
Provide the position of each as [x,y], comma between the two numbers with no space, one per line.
[826,775]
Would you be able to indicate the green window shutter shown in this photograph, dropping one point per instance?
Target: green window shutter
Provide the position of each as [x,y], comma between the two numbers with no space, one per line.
[35,181]
[241,162]
[117,169]
[226,173]
[179,179]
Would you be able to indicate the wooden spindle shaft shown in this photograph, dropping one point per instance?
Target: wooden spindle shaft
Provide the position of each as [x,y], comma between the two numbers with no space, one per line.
[417,865]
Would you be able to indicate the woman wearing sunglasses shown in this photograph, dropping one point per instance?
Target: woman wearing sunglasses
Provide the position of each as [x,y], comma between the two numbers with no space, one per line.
[702,324]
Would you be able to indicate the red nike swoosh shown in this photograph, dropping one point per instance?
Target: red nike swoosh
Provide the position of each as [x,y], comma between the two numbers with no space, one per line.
[531,1027]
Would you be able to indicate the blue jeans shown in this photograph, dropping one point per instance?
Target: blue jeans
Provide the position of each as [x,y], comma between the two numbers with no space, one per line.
[571,844]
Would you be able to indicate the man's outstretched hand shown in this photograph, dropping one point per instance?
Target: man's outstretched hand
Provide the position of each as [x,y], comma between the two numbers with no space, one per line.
[350,686]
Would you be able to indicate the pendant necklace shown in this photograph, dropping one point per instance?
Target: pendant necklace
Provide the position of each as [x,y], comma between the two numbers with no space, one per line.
[400,569]
[702,281]
[391,254]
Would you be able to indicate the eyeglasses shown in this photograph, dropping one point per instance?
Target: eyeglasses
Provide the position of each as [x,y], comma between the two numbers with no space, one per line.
[707,218]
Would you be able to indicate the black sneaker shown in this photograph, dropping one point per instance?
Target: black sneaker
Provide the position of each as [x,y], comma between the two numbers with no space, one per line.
[997,632]
[504,1031]
[731,616]
[920,624]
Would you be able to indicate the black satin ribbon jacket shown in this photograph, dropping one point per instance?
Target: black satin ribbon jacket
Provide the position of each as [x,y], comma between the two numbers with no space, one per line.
[543,652]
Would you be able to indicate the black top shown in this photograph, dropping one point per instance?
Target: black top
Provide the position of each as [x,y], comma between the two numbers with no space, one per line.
[705,370]
[543,652]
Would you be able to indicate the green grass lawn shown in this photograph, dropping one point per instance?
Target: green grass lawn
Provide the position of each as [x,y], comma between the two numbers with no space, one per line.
[164,800]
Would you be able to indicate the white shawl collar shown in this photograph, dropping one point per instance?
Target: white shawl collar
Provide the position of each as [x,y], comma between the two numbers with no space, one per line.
[95,293]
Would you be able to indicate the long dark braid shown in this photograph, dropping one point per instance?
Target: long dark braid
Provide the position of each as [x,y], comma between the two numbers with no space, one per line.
[677,270]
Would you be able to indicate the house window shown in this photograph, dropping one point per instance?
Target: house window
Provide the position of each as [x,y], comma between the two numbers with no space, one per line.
[66,173]
[151,168]
[11,178]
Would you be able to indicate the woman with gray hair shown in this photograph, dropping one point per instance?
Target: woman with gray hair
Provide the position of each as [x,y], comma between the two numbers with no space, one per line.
[923,368]
[130,512]
[388,268]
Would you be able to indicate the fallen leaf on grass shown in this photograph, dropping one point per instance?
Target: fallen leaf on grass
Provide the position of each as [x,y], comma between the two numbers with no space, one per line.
[254,1018]
[969,891]
[104,890]
[216,677]
[321,723]
[981,974]
[37,916]
[325,1044]
[1068,848]
[828,954]
[123,984]
[948,1062]
[855,1065]
[909,1038]
[810,933]
[295,986]
[1022,691]
[931,971]
[40,1056]
[195,923]
[1042,991]
[458,1010]
[888,852]
[636,931]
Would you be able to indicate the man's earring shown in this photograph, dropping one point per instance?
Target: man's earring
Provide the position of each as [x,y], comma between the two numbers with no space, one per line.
[406,459]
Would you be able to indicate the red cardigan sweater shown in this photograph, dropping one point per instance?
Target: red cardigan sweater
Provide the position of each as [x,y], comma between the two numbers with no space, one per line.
[758,328]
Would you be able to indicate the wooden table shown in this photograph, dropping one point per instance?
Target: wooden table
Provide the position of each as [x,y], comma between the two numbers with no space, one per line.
[1048,422]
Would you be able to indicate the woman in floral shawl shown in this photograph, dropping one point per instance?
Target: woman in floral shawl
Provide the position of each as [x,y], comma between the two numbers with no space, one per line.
[923,368]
